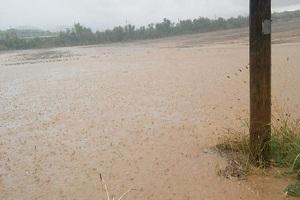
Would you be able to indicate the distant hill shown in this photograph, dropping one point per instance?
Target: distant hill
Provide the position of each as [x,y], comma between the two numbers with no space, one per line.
[285,16]
[30,33]
[79,35]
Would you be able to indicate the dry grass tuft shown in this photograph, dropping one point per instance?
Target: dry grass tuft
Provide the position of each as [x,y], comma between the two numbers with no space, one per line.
[235,148]
[108,195]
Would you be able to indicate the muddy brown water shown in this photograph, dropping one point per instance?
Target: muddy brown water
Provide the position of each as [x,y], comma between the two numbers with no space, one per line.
[142,114]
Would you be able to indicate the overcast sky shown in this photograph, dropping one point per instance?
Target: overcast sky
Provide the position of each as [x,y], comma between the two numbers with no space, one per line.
[103,14]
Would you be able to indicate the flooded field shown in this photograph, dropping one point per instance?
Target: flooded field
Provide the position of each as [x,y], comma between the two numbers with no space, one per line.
[145,115]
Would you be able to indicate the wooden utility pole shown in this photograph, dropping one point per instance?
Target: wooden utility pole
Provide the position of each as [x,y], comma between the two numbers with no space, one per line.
[260,81]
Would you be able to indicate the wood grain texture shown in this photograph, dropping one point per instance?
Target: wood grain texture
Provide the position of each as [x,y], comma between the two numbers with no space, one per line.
[260,82]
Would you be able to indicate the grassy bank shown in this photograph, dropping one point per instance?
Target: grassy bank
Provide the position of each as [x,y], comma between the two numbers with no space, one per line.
[285,150]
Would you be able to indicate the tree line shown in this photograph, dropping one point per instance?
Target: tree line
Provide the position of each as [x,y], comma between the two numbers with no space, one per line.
[79,35]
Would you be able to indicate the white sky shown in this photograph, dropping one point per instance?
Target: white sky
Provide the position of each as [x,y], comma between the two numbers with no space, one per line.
[102,14]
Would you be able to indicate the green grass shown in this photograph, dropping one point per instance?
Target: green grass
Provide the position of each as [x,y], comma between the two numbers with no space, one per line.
[285,147]
[285,143]
[293,189]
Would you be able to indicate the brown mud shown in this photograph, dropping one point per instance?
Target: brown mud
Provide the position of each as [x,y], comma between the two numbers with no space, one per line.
[142,114]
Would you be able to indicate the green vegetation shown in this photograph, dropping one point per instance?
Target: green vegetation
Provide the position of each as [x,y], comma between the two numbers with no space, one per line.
[293,190]
[80,35]
[285,149]
[285,144]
